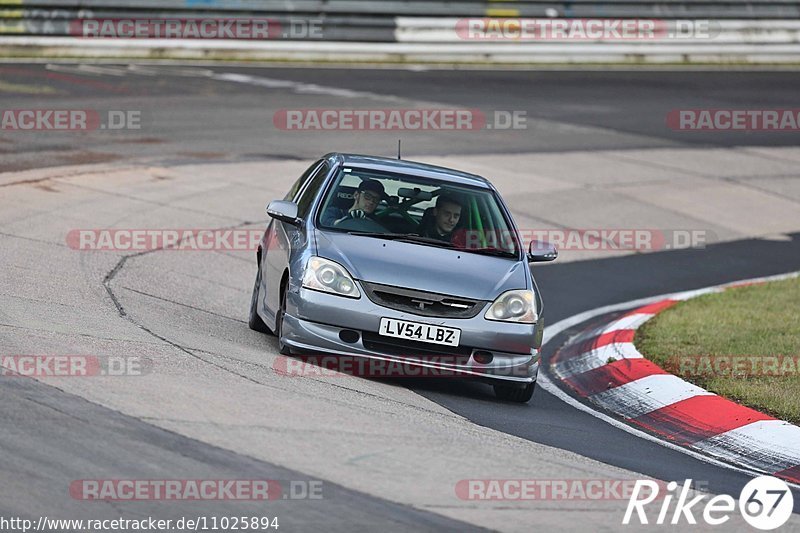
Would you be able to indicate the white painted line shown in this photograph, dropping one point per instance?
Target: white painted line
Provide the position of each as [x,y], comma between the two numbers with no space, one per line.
[632,321]
[554,330]
[546,383]
[628,322]
[693,294]
[233,77]
[87,69]
[300,87]
[647,394]
[159,69]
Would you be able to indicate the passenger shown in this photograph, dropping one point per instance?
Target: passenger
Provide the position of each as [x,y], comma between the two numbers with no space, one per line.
[365,201]
[446,215]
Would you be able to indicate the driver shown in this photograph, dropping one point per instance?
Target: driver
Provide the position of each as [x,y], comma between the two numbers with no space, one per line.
[446,215]
[365,200]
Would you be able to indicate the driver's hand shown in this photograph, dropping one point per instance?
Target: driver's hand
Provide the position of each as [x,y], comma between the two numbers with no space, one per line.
[358,213]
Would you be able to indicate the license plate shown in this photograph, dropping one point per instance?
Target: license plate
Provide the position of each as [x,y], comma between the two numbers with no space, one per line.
[415,331]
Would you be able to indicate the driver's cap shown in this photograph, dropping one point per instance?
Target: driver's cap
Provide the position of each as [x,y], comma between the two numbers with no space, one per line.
[371,185]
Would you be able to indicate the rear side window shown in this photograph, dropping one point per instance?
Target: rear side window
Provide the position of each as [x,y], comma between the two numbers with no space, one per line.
[310,192]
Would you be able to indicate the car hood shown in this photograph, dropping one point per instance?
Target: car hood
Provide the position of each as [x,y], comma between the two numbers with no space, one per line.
[421,267]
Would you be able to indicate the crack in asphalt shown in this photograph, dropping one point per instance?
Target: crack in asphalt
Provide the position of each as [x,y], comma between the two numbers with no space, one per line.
[41,241]
[124,314]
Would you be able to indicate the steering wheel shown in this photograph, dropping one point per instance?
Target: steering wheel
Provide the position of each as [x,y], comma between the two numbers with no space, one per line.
[360,224]
[396,209]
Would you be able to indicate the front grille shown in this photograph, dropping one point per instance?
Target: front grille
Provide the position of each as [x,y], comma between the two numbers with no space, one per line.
[422,303]
[454,355]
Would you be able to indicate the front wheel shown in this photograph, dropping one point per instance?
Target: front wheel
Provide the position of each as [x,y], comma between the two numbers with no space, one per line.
[282,348]
[253,320]
[511,393]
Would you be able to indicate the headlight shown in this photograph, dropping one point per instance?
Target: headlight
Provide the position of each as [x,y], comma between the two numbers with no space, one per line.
[328,276]
[514,306]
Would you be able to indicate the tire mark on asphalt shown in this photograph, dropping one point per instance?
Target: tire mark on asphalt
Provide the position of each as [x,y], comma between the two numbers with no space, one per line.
[85,335]
[735,180]
[183,305]
[159,204]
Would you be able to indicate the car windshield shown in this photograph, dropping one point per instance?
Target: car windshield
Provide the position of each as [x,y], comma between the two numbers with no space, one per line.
[423,210]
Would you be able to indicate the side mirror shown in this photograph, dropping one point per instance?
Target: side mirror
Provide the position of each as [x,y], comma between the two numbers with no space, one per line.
[541,251]
[284,211]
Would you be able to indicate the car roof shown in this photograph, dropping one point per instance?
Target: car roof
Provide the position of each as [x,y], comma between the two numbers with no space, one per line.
[412,168]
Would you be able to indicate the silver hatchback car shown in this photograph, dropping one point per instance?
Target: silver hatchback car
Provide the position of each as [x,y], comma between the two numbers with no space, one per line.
[389,260]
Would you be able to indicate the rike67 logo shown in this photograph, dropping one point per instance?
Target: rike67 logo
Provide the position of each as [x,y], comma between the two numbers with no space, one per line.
[765,503]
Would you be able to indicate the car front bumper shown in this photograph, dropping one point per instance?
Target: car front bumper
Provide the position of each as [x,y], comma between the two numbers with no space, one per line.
[314,321]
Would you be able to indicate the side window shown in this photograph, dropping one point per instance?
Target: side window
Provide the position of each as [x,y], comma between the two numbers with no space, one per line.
[310,192]
[291,196]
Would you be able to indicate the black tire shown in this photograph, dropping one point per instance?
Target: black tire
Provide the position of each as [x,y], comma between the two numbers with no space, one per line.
[282,348]
[510,393]
[253,320]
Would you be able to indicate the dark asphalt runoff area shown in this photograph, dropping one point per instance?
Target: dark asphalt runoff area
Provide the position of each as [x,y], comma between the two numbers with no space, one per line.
[195,118]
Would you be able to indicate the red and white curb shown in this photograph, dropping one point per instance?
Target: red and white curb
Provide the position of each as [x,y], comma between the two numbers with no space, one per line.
[604,369]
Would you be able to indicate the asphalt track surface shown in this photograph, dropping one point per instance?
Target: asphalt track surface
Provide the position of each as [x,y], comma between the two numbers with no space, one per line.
[45,425]
[195,118]
[186,116]
[566,288]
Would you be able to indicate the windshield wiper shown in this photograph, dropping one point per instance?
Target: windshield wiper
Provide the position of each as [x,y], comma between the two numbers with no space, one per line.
[409,237]
[490,251]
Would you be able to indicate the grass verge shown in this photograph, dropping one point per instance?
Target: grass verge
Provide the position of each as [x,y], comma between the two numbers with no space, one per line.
[743,343]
